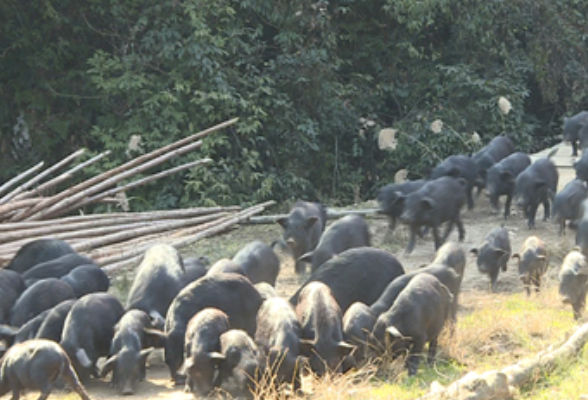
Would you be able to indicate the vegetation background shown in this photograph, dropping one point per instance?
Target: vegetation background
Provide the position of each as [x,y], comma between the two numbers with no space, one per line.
[313,82]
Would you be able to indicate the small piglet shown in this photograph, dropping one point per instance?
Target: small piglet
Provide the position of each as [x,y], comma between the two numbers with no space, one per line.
[37,364]
[567,205]
[533,262]
[493,254]
[573,281]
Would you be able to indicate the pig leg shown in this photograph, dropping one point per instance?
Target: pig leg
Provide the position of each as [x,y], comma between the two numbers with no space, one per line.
[15,391]
[493,278]
[507,206]
[45,389]
[460,229]
[531,216]
[69,376]
[448,230]
[432,352]
[546,208]
[574,148]
[470,195]
[412,241]
[438,240]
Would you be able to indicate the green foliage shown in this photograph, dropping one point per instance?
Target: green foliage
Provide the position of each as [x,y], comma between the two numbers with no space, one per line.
[300,75]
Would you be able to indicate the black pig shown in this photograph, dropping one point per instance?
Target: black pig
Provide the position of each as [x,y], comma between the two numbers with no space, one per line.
[39,297]
[36,252]
[573,281]
[55,268]
[416,318]
[303,228]
[572,128]
[202,349]
[129,350]
[536,185]
[493,254]
[499,148]
[501,179]
[322,330]
[359,274]
[345,233]
[533,262]
[243,365]
[86,279]
[458,167]
[358,323]
[231,293]
[437,202]
[391,199]
[567,205]
[159,278]
[259,262]
[37,364]
[581,167]
[11,287]
[88,331]
[52,325]
[278,335]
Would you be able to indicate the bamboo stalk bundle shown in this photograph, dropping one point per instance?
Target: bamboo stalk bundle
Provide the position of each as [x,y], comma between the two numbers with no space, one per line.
[41,176]
[112,239]
[7,185]
[131,256]
[41,210]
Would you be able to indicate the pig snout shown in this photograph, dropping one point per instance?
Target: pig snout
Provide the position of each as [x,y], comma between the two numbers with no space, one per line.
[127,390]
[565,299]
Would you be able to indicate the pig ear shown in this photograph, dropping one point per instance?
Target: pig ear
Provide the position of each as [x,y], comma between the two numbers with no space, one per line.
[306,257]
[156,336]
[283,222]
[474,251]
[306,346]
[428,203]
[216,357]
[83,359]
[186,366]
[108,366]
[393,333]
[143,354]
[516,255]
[310,221]
[345,348]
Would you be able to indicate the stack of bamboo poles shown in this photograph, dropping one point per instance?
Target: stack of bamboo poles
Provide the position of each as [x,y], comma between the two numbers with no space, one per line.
[112,240]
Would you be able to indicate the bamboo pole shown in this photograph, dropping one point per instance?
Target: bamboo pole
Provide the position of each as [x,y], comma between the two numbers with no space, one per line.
[74,196]
[63,177]
[80,221]
[331,214]
[122,236]
[143,181]
[130,164]
[42,176]
[8,184]
[115,262]
[17,205]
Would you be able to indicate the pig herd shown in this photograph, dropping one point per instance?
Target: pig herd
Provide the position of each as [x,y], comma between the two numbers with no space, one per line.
[223,326]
